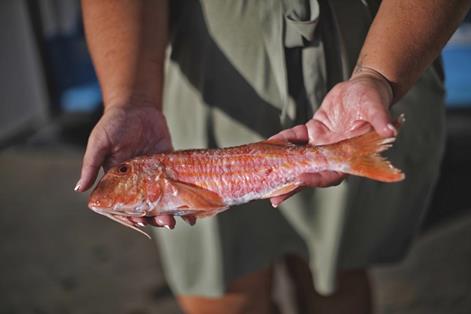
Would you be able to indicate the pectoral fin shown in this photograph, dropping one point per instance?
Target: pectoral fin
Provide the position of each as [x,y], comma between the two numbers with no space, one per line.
[284,189]
[191,199]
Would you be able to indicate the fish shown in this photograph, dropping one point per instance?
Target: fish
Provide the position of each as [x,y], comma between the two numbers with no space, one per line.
[204,182]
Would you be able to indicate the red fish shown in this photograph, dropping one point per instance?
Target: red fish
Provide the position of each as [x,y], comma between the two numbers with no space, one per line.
[204,182]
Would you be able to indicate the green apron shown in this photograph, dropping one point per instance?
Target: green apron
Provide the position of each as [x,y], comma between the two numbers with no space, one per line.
[241,71]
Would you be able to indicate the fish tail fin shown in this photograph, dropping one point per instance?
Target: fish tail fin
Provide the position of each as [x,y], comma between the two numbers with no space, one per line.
[364,159]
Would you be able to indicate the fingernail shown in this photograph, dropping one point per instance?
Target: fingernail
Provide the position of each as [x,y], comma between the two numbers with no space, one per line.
[159,221]
[140,224]
[188,221]
[274,205]
[402,118]
[77,186]
[392,128]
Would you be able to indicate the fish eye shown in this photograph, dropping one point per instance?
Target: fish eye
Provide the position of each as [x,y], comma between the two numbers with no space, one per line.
[123,169]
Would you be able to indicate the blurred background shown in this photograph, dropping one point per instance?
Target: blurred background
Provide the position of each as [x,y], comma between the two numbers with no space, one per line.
[56,256]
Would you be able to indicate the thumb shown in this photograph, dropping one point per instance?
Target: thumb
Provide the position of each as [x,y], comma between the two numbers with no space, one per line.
[381,122]
[93,159]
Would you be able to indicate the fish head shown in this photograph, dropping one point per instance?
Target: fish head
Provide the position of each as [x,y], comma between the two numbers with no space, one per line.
[130,189]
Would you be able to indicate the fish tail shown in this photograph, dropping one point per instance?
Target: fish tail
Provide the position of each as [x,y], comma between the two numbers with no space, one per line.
[363,159]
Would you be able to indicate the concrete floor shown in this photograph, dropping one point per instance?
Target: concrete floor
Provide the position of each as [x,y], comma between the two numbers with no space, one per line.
[56,256]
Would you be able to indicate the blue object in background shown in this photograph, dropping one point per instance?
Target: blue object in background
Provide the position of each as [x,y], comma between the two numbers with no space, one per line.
[74,85]
[82,98]
[457,64]
[457,61]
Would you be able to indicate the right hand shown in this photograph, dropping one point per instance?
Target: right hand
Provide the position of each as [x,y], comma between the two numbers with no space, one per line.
[124,132]
[350,109]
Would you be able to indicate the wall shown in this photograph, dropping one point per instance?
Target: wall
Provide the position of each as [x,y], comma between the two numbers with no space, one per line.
[23,97]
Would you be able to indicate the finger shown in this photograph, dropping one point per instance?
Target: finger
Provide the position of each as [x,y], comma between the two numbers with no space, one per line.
[381,122]
[319,134]
[318,179]
[297,134]
[359,127]
[95,154]
[189,219]
[166,221]
[322,179]
[140,221]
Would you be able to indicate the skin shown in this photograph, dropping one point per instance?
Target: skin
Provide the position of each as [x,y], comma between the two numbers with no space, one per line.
[390,62]
[350,109]
[127,40]
[128,56]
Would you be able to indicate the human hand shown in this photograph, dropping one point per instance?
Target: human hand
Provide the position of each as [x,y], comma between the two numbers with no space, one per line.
[124,132]
[350,109]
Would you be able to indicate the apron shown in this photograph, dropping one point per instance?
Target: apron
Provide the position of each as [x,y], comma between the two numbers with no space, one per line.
[240,71]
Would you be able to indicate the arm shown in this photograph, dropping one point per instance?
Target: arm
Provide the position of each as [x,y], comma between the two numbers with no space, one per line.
[406,37]
[127,41]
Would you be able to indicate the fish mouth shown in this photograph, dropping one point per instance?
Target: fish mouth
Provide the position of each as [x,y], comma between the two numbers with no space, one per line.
[138,209]
[122,218]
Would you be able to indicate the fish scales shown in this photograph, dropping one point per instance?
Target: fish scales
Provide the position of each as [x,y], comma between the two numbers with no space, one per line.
[204,182]
[243,170]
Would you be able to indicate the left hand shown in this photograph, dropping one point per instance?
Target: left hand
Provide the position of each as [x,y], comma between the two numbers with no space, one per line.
[123,132]
[350,109]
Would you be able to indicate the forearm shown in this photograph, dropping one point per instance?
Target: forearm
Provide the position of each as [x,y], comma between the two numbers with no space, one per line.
[127,41]
[406,36]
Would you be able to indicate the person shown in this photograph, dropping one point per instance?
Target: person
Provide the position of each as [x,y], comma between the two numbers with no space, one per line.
[309,71]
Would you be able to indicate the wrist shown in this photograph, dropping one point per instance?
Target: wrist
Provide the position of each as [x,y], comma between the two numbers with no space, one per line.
[367,72]
[131,101]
